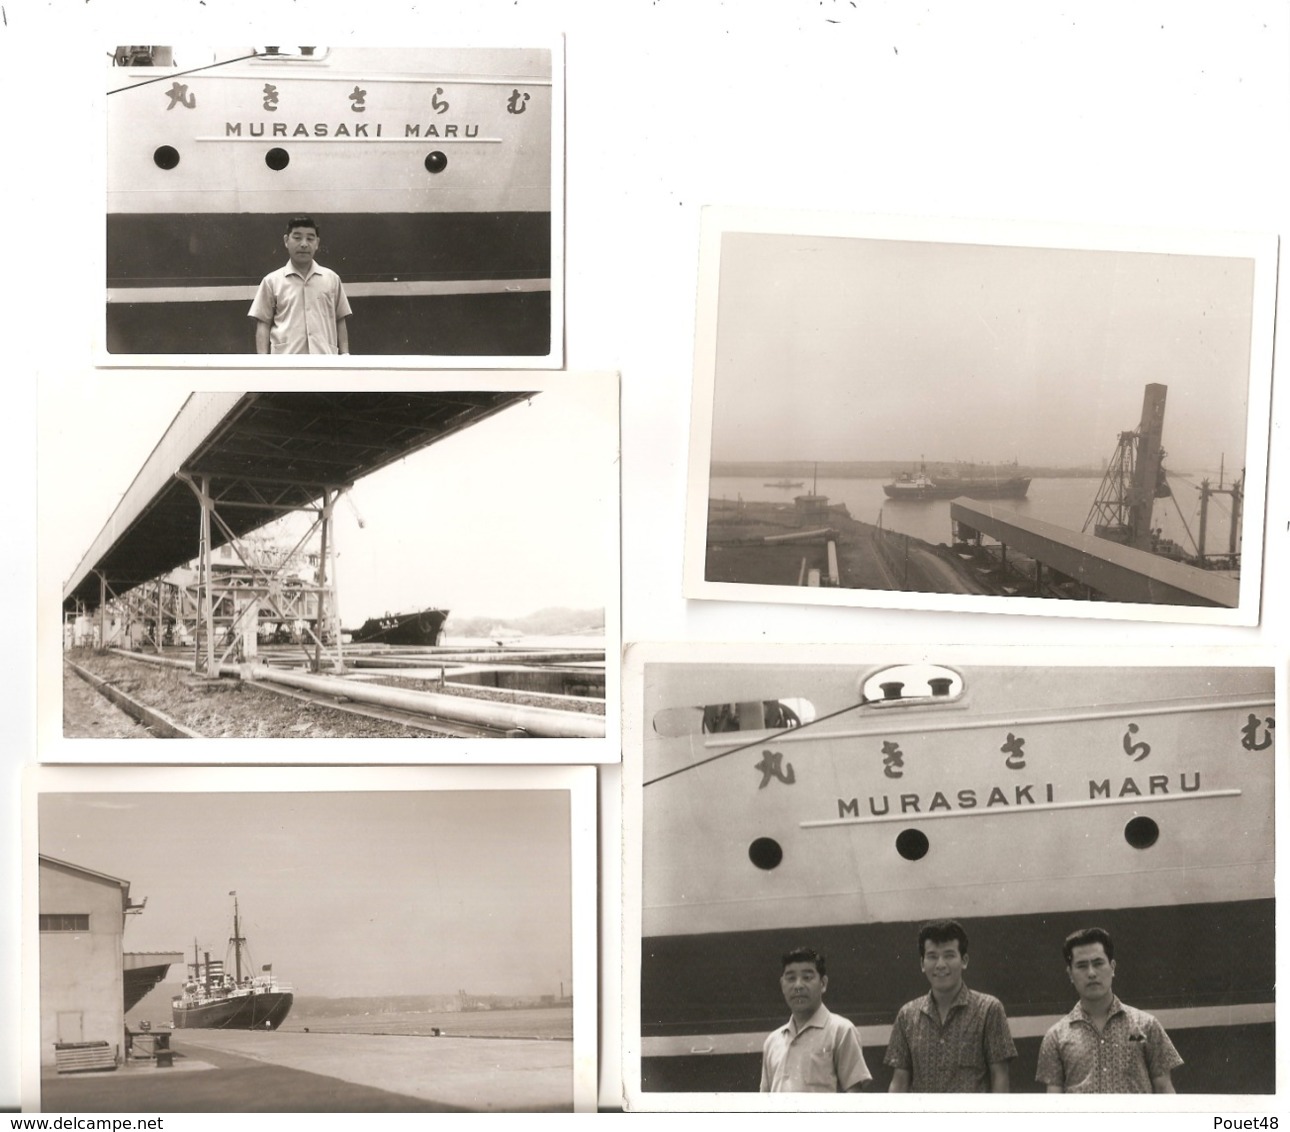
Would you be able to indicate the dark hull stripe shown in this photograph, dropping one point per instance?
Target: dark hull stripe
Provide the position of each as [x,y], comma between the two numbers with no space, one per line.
[444,325]
[247,1012]
[1220,1059]
[1185,956]
[233,249]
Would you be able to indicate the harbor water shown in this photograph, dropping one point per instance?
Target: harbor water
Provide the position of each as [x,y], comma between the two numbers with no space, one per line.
[1063,501]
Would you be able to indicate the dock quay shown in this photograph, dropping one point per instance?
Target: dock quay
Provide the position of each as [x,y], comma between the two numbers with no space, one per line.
[1050,561]
[791,544]
[283,1071]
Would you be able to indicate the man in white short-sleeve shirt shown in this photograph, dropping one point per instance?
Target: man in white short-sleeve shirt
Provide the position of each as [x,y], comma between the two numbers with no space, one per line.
[816,1051]
[301,308]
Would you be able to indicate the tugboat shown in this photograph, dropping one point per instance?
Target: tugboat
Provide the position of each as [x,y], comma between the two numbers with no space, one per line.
[212,999]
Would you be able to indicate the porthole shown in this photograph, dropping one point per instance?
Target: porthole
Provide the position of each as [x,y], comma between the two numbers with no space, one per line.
[277,159]
[912,844]
[165,157]
[1142,833]
[436,162]
[766,853]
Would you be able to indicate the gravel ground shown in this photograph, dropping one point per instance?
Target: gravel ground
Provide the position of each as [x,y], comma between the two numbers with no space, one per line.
[88,715]
[225,709]
[228,709]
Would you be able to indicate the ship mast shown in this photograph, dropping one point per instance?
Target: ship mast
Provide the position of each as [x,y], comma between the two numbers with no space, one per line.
[237,940]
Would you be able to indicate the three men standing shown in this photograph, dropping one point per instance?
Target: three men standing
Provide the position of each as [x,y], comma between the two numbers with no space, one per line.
[956,1040]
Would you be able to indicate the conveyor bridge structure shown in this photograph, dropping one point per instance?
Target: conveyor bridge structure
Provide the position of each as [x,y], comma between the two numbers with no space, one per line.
[1109,569]
[230,463]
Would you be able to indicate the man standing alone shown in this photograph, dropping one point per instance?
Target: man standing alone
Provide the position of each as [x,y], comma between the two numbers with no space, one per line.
[816,1051]
[301,308]
[952,1040]
[1103,1046]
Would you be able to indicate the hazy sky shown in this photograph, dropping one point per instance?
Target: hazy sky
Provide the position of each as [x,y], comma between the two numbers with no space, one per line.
[836,348]
[415,892]
[507,517]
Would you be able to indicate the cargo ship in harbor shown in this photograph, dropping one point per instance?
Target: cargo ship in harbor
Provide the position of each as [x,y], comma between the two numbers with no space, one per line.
[919,486]
[1027,800]
[215,999]
[420,627]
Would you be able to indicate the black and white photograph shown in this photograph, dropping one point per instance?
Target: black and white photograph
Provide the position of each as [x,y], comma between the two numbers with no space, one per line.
[977,417]
[435,563]
[325,941]
[324,201]
[856,403]
[816,808]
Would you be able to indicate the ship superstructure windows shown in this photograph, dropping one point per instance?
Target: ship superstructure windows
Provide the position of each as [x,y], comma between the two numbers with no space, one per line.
[778,714]
[64,922]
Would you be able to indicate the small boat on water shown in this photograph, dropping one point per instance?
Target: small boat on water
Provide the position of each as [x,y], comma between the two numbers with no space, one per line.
[214,999]
[919,486]
[423,627]
[786,484]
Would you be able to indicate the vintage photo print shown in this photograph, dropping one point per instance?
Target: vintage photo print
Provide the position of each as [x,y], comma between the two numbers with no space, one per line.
[438,562]
[980,417]
[797,816]
[394,940]
[328,203]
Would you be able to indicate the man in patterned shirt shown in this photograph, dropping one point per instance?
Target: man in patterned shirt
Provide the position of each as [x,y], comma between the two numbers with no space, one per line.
[952,1040]
[1103,1046]
[816,1051]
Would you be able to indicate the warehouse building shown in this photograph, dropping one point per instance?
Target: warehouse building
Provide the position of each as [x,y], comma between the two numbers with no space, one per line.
[87,979]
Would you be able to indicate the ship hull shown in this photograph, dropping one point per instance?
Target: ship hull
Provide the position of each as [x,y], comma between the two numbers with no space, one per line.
[1015,488]
[263,1011]
[424,628]
[711,991]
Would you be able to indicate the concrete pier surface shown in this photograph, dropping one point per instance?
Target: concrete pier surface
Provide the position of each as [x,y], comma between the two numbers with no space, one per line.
[250,1071]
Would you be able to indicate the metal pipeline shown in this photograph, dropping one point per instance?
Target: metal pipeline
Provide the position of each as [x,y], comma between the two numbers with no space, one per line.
[546,723]
[153,658]
[542,722]
[412,659]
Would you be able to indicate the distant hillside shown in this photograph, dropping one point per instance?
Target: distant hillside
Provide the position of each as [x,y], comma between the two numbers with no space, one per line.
[556,621]
[155,1006]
